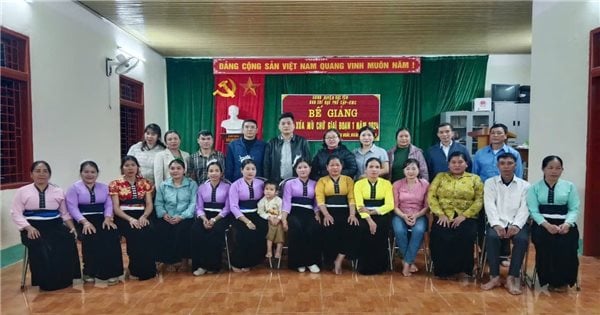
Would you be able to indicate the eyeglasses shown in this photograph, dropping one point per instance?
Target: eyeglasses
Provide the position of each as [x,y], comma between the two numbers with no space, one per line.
[331,138]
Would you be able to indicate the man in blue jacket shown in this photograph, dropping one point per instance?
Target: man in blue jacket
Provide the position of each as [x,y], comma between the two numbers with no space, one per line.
[437,154]
[245,147]
[484,161]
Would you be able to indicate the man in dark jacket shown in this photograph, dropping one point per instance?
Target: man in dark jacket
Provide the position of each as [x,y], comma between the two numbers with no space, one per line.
[283,150]
[248,146]
[437,154]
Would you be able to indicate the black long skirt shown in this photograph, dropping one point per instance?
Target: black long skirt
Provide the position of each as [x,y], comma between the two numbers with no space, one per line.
[173,240]
[102,256]
[373,254]
[53,257]
[452,249]
[304,238]
[249,246]
[340,237]
[556,256]
[140,247]
[207,245]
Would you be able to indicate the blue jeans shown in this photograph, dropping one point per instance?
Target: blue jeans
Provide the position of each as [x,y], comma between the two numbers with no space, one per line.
[409,247]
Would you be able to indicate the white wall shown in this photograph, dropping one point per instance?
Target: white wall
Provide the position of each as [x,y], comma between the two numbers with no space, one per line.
[75,106]
[559,75]
[507,69]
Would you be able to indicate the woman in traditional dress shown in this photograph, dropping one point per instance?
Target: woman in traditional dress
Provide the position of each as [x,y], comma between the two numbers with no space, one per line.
[554,206]
[455,198]
[335,198]
[212,219]
[132,202]
[249,230]
[175,204]
[300,218]
[90,205]
[145,151]
[39,211]
[374,201]
[410,207]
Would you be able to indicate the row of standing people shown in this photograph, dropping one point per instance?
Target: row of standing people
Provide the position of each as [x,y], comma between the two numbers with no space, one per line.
[275,158]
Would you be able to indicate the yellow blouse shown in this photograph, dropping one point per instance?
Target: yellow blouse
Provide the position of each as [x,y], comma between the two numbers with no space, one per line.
[453,196]
[383,191]
[325,188]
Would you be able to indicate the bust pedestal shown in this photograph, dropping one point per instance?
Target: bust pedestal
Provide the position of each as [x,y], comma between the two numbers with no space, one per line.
[229,137]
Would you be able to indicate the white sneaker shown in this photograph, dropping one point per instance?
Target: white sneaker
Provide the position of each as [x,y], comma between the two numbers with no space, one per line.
[314,269]
[112,281]
[88,279]
[301,269]
[199,272]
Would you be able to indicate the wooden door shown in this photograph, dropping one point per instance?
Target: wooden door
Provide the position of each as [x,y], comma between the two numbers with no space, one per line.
[591,237]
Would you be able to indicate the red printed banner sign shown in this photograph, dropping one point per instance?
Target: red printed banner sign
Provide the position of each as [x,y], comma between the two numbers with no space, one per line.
[317,65]
[315,113]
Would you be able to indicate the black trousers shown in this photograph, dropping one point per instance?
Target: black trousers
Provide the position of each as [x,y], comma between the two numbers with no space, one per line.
[493,244]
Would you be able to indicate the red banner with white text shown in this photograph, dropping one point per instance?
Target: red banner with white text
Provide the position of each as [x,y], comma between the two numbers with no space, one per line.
[315,113]
[317,65]
[237,97]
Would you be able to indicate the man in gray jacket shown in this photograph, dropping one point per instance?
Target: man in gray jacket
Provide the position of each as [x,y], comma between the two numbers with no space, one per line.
[283,150]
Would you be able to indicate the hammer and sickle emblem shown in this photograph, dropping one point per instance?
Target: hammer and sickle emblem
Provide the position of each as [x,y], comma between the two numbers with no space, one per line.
[226,88]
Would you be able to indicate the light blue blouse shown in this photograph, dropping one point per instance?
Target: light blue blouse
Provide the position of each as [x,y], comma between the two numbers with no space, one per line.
[176,201]
[565,193]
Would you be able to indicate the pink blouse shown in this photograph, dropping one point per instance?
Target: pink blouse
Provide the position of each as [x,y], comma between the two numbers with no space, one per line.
[410,200]
[28,198]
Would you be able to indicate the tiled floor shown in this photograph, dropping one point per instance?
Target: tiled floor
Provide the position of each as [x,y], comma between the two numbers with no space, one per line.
[263,291]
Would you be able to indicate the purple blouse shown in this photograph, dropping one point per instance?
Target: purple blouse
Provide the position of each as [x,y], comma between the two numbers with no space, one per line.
[411,200]
[295,188]
[205,195]
[240,190]
[78,194]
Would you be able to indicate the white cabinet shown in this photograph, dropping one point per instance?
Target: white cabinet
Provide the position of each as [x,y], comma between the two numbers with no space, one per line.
[516,117]
[465,122]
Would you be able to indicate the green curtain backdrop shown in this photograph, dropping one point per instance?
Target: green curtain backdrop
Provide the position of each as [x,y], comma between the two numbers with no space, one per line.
[411,100]
[189,99]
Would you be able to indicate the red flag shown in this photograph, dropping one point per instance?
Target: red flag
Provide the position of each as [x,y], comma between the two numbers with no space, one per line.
[247,92]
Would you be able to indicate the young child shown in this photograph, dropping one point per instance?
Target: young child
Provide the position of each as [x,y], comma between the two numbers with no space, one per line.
[269,208]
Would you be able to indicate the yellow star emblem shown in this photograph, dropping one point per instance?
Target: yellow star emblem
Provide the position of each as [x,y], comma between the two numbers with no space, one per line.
[250,87]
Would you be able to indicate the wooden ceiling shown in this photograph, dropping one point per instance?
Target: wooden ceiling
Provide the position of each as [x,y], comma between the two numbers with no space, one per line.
[324,28]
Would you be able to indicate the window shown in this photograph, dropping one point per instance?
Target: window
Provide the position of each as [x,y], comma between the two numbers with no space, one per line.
[132,112]
[16,149]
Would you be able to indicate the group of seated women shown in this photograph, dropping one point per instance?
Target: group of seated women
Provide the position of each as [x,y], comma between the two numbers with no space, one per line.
[182,226]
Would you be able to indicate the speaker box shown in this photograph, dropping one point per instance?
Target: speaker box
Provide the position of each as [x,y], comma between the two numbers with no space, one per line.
[524,93]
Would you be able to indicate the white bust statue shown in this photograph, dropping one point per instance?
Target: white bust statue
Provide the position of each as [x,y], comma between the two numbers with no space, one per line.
[233,124]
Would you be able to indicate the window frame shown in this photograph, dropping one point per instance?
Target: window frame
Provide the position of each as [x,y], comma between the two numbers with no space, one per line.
[26,145]
[139,106]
